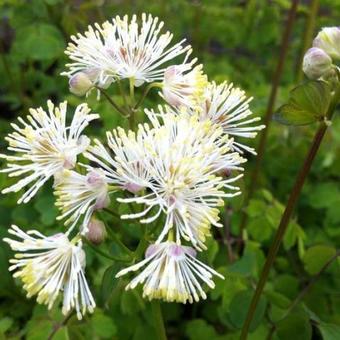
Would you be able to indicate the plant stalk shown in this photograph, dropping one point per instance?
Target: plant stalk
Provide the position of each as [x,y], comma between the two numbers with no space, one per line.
[283,226]
[60,325]
[145,93]
[294,195]
[315,278]
[116,107]
[159,323]
[270,108]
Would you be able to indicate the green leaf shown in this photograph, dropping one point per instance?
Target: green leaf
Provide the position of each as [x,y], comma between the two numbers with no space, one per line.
[109,282]
[308,103]
[131,303]
[295,323]
[118,251]
[293,234]
[212,250]
[44,204]
[260,228]
[39,42]
[239,308]
[200,330]
[62,334]
[287,285]
[278,299]
[329,331]
[324,195]
[38,328]
[316,257]
[103,325]
[5,324]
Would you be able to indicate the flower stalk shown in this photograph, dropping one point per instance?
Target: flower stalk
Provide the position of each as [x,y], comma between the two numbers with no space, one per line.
[294,195]
[111,101]
[157,314]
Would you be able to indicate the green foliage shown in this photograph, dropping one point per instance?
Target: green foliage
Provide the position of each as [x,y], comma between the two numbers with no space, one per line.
[308,103]
[238,41]
[316,257]
[239,307]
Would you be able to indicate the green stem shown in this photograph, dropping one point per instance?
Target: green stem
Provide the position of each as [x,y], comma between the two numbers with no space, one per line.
[294,195]
[270,108]
[159,323]
[132,104]
[59,325]
[122,93]
[145,93]
[111,101]
[315,278]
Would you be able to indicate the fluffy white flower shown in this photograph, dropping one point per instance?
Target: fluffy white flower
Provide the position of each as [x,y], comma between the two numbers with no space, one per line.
[176,162]
[45,146]
[184,85]
[49,265]
[228,107]
[123,49]
[124,166]
[80,195]
[172,273]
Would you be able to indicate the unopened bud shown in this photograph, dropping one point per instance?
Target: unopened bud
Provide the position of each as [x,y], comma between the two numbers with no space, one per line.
[225,172]
[96,232]
[80,84]
[328,40]
[316,63]
[133,187]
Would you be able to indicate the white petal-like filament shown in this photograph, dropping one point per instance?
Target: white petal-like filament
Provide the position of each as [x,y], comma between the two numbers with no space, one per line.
[172,273]
[49,265]
[44,146]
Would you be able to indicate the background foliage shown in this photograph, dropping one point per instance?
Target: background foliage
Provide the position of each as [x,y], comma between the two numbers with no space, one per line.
[237,40]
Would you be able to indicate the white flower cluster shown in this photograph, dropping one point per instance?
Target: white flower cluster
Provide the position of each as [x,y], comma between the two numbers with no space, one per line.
[175,170]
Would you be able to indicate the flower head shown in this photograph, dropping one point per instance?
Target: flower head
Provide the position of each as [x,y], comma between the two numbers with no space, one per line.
[184,85]
[328,40]
[172,273]
[49,265]
[123,49]
[177,162]
[45,146]
[124,164]
[228,107]
[80,195]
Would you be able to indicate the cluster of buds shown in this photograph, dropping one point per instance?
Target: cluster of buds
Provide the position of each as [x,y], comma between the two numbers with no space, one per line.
[319,61]
[177,168]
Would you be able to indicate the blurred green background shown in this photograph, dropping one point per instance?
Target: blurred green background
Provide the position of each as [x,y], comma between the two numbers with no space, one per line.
[238,41]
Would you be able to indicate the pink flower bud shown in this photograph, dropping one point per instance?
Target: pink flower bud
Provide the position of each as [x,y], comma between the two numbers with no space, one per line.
[96,233]
[133,187]
[80,84]
[316,63]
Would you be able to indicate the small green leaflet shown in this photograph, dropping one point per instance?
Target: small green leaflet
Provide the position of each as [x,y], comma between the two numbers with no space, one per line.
[308,103]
